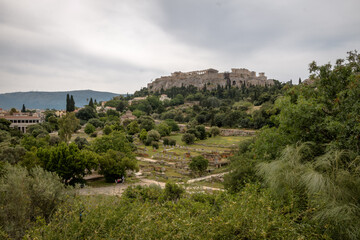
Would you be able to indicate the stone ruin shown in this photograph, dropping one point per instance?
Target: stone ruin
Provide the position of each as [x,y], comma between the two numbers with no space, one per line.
[211,78]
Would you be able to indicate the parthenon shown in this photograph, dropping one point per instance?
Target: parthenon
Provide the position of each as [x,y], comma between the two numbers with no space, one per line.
[210,78]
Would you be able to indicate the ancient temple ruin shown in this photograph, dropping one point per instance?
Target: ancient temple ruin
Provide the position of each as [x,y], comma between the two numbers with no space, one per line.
[211,78]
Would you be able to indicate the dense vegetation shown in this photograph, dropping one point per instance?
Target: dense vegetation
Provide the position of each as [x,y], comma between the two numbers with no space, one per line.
[298,179]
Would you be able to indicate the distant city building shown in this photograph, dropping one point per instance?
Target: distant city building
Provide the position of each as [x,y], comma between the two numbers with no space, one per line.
[22,122]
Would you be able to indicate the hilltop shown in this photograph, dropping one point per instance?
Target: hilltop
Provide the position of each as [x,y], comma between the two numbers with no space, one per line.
[210,79]
[51,100]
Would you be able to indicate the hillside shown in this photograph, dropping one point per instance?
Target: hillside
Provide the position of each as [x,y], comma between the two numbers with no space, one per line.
[50,100]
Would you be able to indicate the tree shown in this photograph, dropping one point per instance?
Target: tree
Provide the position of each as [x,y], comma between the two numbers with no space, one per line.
[163,129]
[91,103]
[67,126]
[198,164]
[72,104]
[143,135]
[171,123]
[68,103]
[107,130]
[114,164]
[188,138]
[133,128]
[214,131]
[122,105]
[116,141]
[86,113]
[30,196]
[23,109]
[68,161]
[152,136]
[96,122]
[146,123]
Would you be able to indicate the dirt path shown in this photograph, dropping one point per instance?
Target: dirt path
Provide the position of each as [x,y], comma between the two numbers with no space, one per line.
[206,177]
[118,189]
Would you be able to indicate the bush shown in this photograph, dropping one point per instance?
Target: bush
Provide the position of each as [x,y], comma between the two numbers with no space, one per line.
[93,135]
[188,138]
[214,131]
[152,136]
[143,135]
[81,142]
[107,130]
[198,164]
[96,123]
[171,123]
[163,129]
[173,191]
[29,196]
[89,129]
[155,145]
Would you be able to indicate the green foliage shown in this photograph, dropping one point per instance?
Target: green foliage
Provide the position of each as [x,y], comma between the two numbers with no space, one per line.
[89,128]
[81,142]
[163,129]
[188,138]
[143,135]
[169,141]
[68,124]
[152,136]
[146,123]
[113,164]
[107,130]
[111,112]
[28,196]
[316,148]
[171,123]
[198,164]
[173,191]
[133,128]
[116,141]
[214,131]
[86,113]
[36,130]
[11,154]
[143,214]
[96,122]
[70,163]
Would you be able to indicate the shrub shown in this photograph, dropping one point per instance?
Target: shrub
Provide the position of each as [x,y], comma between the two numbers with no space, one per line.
[107,130]
[188,138]
[214,131]
[173,191]
[198,164]
[89,128]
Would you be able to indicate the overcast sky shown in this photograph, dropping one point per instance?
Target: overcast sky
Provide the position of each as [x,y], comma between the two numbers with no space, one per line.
[120,46]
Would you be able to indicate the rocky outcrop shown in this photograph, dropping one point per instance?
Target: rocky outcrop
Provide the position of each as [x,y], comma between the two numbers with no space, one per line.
[210,79]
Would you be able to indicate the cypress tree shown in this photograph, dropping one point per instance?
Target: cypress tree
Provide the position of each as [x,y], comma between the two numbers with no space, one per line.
[67,103]
[91,104]
[23,108]
[72,104]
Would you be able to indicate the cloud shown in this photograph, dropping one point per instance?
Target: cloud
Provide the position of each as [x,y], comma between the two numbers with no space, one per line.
[121,45]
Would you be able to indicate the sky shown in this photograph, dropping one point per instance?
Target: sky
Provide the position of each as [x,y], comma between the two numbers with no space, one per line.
[120,46]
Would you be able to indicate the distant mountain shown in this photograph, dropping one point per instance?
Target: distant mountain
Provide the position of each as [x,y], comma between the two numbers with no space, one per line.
[51,100]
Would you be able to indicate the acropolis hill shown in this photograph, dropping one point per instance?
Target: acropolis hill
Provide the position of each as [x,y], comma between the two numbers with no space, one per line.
[211,78]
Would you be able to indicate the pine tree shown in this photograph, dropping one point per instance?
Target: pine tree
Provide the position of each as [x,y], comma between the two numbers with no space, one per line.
[23,108]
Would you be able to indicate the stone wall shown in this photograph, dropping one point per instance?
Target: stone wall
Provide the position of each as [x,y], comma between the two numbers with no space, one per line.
[211,78]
